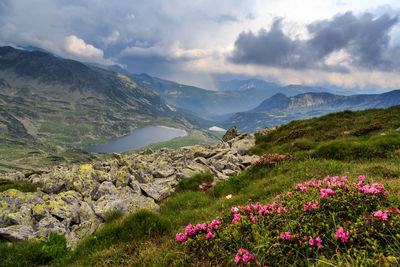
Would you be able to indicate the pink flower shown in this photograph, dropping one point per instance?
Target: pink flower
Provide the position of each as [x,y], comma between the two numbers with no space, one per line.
[210,235]
[253,218]
[318,241]
[344,236]
[181,237]
[277,196]
[382,215]
[234,209]
[326,192]
[236,218]
[286,236]
[315,242]
[289,193]
[280,209]
[311,205]
[244,255]
[301,187]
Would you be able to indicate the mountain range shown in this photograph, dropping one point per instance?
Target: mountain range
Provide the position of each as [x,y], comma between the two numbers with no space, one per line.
[233,96]
[48,103]
[280,109]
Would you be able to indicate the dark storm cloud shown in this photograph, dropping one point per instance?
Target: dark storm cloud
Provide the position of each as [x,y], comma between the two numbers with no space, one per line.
[271,48]
[365,38]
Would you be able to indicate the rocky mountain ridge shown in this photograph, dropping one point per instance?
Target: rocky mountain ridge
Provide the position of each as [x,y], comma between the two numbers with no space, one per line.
[280,109]
[74,200]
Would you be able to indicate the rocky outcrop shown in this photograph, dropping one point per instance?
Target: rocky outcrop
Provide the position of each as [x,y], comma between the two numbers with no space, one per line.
[75,200]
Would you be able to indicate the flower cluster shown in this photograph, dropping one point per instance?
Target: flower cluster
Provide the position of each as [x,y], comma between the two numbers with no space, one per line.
[244,256]
[383,215]
[315,241]
[191,230]
[279,233]
[344,236]
[252,210]
[311,205]
[326,192]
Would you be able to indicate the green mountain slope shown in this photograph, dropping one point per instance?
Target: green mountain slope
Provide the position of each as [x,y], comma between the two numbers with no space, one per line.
[342,146]
[51,107]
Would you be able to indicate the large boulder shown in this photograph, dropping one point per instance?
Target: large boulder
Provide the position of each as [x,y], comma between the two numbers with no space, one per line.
[159,190]
[126,200]
[230,134]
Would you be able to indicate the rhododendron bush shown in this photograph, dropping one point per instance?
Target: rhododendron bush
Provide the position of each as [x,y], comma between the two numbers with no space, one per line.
[333,219]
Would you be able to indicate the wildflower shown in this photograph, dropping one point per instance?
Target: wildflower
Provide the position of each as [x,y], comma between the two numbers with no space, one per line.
[234,210]
[236,218]
[310,205]
[286,236]
[253,218]
[277,196]
[326,192]
[244,255]
[210,235]
[344,236]
[381,215]
[315,242]
[181,237]
[301,187]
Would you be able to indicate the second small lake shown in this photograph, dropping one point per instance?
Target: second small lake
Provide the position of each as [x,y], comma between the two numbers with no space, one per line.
[138,138]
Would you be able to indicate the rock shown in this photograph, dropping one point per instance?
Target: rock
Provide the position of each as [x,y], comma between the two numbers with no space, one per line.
[159,190]
[49,225]
[143,176]
[126,201]
[201,161]
[147,152]
[241,146]
[66,205]
[17,232]
[230,134]
[123,177]
[246,160]
[265,131]
[105,188]
[163,172]
[83,180]
[18,176]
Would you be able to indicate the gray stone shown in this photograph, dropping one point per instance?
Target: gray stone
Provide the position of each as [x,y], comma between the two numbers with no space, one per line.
[230,134]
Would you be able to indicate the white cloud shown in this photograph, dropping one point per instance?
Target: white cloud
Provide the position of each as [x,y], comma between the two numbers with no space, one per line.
[78,47]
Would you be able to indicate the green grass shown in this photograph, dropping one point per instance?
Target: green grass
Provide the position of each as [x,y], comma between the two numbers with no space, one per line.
[193,183]
[23,186]
[342,144]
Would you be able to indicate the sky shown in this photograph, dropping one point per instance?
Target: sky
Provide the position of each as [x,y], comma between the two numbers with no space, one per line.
[351,44]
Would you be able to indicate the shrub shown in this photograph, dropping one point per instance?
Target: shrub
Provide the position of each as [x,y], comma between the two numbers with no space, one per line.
[331,219]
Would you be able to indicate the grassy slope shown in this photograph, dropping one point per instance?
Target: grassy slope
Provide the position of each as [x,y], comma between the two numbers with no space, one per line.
[371,149]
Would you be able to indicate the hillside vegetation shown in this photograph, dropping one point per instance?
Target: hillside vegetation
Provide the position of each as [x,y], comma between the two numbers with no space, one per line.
[51,108]
[334,203]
